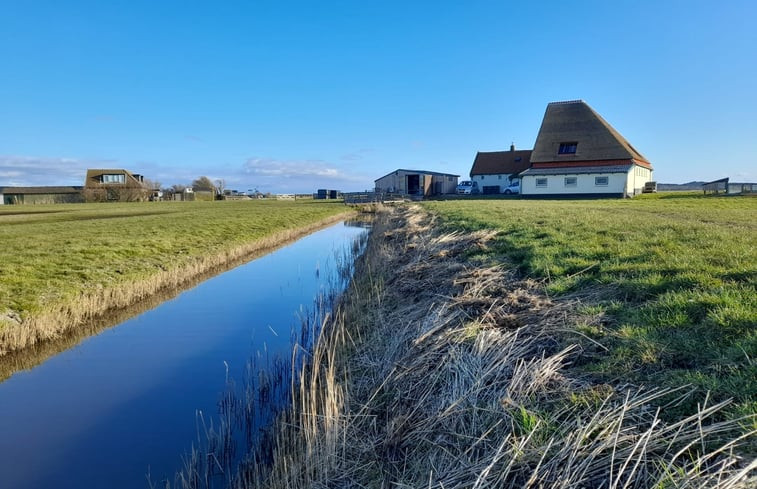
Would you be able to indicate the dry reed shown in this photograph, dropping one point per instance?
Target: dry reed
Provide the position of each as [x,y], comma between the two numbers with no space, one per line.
[433,373]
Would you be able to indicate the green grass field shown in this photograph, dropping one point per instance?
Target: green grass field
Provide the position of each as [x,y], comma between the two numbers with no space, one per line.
[671,278]
[52,254]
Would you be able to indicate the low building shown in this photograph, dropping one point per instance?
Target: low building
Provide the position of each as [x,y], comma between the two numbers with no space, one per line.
[41,195]
[417,183]
[494,171]
[115,185]
[577,153]
[725,186]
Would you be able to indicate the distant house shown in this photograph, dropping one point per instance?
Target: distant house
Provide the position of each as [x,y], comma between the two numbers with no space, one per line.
[577,153]
[118,185]
[417,182]
[40,195]
[494,171]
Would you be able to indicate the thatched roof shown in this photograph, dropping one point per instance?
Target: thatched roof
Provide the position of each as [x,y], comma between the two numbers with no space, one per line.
[94,177]
[40,190]
[501,162]
[575,122]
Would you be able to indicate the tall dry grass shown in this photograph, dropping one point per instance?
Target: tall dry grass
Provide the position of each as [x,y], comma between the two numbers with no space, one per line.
[433,373]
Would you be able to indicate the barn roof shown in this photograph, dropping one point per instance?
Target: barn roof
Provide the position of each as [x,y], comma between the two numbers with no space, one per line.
[423,172]
[575,122]
[501,162]
[40,190]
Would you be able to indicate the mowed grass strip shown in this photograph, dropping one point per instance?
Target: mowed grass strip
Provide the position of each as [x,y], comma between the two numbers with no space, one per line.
[51,255]
[671,280]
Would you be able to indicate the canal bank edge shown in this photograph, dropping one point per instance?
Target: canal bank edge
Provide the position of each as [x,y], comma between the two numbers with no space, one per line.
[435,372]
[59,319]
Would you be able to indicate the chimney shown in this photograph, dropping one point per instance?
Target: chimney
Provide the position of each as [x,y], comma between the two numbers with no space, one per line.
[512,147]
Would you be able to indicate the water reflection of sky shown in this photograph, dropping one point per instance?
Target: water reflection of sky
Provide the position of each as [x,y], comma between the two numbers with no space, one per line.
[99,414]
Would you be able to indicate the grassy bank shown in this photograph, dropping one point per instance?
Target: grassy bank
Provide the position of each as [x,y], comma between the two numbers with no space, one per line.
[667,281]
[63,264]
[439,371]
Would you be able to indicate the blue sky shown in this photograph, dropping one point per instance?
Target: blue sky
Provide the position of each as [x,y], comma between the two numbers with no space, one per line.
[293,96]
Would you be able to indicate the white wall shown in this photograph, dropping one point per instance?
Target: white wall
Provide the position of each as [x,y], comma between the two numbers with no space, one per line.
[585,184]
[637,177]
[503,180]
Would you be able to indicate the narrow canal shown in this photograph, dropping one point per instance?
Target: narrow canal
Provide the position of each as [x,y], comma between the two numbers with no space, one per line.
[124,402]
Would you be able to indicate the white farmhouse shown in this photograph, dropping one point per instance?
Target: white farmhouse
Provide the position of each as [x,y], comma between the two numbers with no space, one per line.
[494,171]
[577,153]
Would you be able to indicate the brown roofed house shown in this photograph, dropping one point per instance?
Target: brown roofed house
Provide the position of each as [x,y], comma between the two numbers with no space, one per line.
[495,171]
[578,153]
[114,185]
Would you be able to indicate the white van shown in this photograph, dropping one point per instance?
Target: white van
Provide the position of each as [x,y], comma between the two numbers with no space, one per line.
[468,187]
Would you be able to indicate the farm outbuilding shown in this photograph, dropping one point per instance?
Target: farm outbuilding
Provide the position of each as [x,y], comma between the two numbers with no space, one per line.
[417,183]
[40,195]
[725,186]
[578,153]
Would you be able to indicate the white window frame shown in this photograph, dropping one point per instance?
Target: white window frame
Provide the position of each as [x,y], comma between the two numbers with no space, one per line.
[542,182]
[598,184]
[114,178]
[571,181]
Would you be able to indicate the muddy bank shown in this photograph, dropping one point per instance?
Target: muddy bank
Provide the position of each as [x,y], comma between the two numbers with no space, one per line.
[69,322]
[439,372]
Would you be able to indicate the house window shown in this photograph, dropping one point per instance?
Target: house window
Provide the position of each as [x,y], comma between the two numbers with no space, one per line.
[114,178]
[601,181]
[482,177]
[568,148]
[541,182]
[571,181]
[499,177]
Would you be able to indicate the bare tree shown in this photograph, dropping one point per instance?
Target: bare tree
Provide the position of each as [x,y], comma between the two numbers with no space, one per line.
[220,186]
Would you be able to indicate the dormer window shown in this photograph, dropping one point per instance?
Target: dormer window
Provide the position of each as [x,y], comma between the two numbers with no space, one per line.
[114,178]
[568,148]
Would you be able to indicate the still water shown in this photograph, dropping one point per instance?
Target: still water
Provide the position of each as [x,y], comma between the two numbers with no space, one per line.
[124,402]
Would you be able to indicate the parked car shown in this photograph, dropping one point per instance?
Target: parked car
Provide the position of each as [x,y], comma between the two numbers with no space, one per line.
[513,188]
[467,187]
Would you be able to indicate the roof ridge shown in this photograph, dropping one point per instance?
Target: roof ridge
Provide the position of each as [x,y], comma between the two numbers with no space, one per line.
[565,102]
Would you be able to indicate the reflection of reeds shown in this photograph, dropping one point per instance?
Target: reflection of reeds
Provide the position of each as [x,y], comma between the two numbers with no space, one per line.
[246,415]
[433,373]
[59,318]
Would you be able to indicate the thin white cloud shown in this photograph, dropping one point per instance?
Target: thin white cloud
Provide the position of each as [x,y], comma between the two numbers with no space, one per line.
[299,175]
[270,167]
[33,171]
[357,155]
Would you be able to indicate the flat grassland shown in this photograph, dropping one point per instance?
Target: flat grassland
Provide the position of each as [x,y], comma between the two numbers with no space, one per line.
[667,282]
[63,263]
